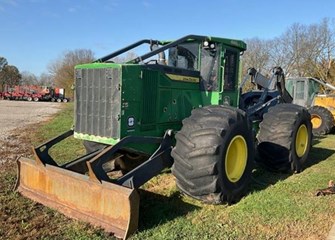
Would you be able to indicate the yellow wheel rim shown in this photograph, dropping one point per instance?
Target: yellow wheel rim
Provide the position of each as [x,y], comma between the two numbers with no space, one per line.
[316,121]
[301,141]
[236,158]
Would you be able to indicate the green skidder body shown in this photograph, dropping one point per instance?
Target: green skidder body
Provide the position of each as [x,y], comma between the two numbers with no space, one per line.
[145,99]
[177,106]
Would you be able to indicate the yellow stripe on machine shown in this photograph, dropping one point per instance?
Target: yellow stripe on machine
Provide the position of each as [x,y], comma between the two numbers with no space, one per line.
[183,78]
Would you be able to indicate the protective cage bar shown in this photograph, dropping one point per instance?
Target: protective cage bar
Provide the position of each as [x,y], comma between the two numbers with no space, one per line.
[152,53]
[92,162]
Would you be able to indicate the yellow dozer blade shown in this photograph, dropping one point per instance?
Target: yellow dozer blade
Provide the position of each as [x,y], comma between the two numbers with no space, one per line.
[104,204]
[81,189]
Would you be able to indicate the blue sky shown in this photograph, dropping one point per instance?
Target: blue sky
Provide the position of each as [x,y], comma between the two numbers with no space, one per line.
[34,33]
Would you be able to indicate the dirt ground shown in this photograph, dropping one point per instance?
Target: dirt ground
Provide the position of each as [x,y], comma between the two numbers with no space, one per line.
[21,218]
[17,121]
[17,115]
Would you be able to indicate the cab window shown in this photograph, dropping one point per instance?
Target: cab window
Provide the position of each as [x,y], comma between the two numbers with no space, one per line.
[300,90]
[184,56]
[209,68]
[230,70]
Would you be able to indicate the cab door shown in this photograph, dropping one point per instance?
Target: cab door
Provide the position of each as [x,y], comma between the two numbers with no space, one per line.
[300,92]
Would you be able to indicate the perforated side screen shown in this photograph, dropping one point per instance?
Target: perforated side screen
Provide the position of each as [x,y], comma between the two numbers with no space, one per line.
[98,102]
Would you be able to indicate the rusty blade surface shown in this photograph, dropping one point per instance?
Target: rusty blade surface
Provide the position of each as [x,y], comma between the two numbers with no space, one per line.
[107,205]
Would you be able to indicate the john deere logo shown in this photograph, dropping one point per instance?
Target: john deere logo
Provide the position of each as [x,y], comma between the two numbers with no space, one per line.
[131,121]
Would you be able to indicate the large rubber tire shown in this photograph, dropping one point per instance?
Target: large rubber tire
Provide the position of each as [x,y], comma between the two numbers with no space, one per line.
[322,120]
[214,154]
[285,137]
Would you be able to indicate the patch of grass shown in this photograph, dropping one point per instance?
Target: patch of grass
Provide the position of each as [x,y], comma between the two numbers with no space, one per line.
[68,149]
[60,123]
[278,206]
[22,218]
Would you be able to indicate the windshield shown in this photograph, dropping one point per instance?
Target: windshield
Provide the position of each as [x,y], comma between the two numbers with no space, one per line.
[184,56]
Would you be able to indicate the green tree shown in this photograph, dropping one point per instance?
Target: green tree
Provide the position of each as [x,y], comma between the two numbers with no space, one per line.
[3,62]
[9,75]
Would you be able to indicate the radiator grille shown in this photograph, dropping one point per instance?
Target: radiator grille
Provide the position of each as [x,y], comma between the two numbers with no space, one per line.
[98,100]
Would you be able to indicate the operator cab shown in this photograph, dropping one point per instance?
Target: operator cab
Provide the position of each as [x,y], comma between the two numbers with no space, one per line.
[212,59]
[303,90]
[205,58]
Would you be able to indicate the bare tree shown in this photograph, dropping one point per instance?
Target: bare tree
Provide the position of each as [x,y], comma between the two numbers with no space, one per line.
[28,78]
[124,58]
[257,55]
[322,62]
[62,70]
[281,54]
[311,50]
[302,50]
[46,79]
[290,50]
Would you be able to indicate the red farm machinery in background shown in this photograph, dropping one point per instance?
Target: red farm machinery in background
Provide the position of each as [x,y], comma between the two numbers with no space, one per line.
[34,93]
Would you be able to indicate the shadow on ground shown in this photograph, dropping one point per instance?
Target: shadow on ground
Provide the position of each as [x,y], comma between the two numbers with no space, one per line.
[263,178]
[156,209]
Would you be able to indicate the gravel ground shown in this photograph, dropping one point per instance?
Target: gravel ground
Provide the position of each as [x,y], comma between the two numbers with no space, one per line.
[18,114]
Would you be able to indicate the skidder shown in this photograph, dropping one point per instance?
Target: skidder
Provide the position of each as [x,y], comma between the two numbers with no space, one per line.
[179,106]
